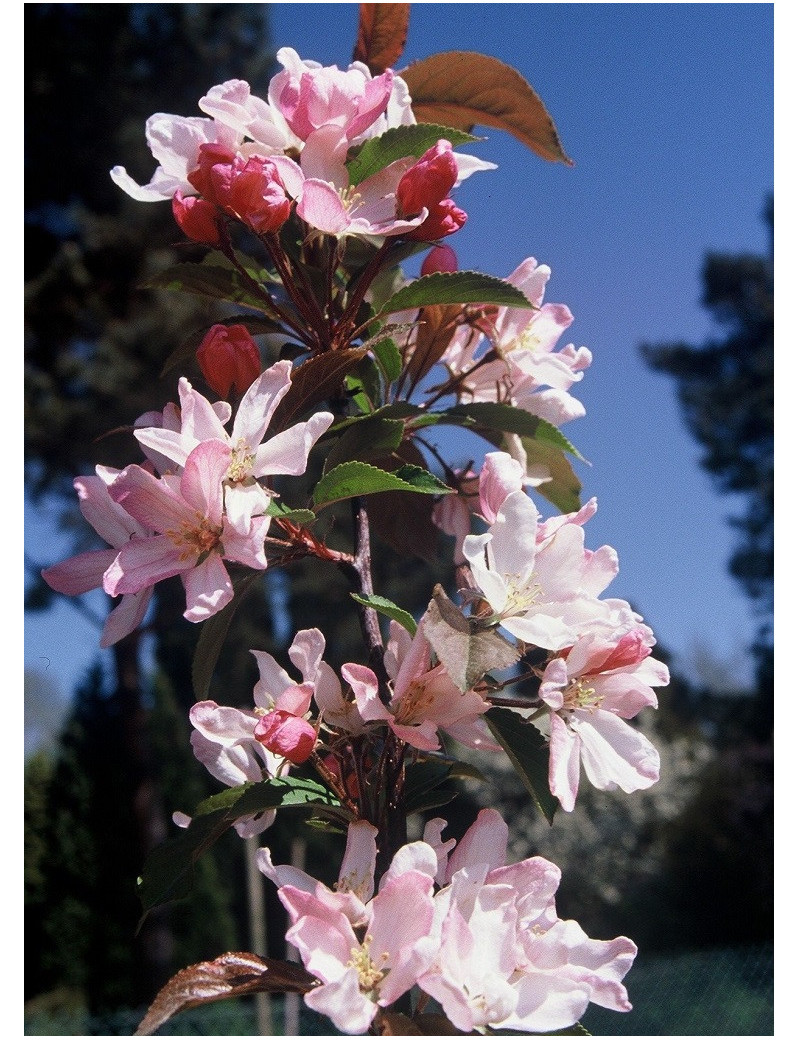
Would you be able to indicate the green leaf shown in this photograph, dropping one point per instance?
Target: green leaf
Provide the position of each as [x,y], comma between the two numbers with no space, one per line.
[374,437]
[389,358]
[509,419]
[456,287]
[297,516]
[398,143]
[563,489]
[422,779]
[529,752]
[391,610]
[212,637]
[167,873]
[217,283]
[352,479]
[466,652]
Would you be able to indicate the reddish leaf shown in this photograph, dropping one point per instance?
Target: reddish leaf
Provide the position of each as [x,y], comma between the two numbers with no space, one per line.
[393,1023]
[231,975]
[315,380]
[461,89]
[398,518]
[437,324]
[382,32]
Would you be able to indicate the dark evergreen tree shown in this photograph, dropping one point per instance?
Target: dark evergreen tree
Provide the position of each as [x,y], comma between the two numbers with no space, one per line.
[725,387]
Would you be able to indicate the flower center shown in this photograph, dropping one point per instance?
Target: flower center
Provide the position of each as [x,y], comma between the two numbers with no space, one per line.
[370,975]
[415,703]
[195,540]
[579,694]
[242,459]
[521,594]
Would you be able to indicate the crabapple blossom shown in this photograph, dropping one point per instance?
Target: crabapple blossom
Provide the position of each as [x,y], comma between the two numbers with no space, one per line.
[591,690]
[545,594]
[193,535]
[175,142]
[504,958]
[440,258]
[86,571]
[228,357]
[197,219]
[251,457]
[367,950]
[223,741]
[250,189]
[424,697]
[521,367]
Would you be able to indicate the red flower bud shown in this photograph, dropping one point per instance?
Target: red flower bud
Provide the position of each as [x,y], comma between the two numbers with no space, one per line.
[444,219]
[228,357]
[428,181]
[211,155]
[196,218]
[440,258]
[253,191]
[288,735]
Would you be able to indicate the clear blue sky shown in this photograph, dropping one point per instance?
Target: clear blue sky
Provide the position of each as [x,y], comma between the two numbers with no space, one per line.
[667,110]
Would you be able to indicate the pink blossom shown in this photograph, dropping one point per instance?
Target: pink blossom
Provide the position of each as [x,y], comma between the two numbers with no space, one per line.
[175,142]
[504,958]
[424,697]
[524,368]
[425,187]
[250,189]
[286,734]
[311,97]
[85,572]
[544,594]
[251,458]
[440,258]
[367,950]
[369,209]
[591,690]
[223,741]
[193,534]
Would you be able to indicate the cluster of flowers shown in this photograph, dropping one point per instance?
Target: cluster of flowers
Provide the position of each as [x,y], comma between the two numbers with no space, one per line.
[195,503]
[542,586]
[252,159]
[481,938]
[487,944]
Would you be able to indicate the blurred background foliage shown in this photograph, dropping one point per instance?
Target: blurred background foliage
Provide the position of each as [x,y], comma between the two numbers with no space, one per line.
[686,866]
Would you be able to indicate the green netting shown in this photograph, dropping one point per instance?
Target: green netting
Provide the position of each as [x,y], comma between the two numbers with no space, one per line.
[727,992]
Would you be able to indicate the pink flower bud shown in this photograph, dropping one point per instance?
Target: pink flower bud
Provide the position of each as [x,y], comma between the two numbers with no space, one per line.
[252,191]
[440,258]
[196,218]
[444,218]
[211,155]
[287,735]
[428,181]
[228,357]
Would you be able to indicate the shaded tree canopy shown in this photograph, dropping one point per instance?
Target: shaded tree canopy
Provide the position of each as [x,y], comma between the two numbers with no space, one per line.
[725,387]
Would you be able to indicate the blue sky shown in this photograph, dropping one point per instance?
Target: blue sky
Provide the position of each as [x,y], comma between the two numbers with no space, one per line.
[667,111]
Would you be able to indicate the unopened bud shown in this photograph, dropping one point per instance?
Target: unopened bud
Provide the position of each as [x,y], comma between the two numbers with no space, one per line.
[196,218]
[228,357]
[440,259]
[287,735]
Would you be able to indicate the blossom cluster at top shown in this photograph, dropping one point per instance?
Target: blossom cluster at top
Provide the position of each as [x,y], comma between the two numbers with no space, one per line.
[252,158]
[481,937]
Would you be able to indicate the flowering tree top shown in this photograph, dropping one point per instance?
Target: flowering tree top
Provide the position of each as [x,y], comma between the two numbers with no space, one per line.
[305,204]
